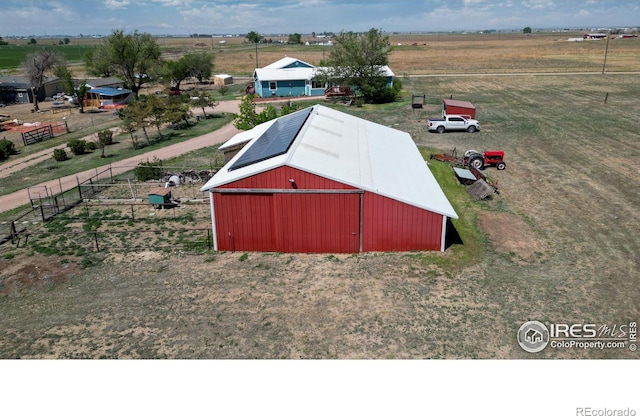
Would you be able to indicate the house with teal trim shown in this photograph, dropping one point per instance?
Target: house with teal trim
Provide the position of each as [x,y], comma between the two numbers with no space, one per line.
[288,77]
[291,77]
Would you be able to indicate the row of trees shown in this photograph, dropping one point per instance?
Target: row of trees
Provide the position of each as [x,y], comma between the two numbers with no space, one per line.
[134,57]
[149,111]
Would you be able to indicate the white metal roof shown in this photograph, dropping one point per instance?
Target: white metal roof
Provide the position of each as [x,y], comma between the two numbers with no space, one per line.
[286,61]
[353,151]
[286,74]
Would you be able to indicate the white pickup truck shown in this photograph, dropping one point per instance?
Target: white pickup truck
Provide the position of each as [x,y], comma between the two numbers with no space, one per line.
[450,123]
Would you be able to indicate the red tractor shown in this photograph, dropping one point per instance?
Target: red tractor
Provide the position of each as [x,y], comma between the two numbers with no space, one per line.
[482,160]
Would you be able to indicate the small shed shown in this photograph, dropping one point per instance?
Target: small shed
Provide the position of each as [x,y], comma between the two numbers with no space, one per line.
[160,196]
[222,79]
[458,108]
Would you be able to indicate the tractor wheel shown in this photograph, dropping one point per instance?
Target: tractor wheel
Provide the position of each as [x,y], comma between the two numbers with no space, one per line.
[440,129]
[471,129]
[501,165]
[476,161]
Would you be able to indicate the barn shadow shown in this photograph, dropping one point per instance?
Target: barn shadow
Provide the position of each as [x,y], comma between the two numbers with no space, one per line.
[452,236]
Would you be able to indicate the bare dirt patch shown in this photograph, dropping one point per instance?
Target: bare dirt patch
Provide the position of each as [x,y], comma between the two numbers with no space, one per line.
[33,272]
[509,234]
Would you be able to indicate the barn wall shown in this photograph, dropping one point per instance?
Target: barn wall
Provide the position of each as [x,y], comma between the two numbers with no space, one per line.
[278,178]
[318,222]
[390,225]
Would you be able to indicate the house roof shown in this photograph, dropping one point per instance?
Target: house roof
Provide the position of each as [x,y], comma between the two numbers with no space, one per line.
[23,82]
[100,82]
[352,151]
[287,61]
[456,103]
[287,74]
[109,92]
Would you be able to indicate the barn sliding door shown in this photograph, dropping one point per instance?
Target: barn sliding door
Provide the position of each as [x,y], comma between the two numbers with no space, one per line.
[317,223]
[244,222]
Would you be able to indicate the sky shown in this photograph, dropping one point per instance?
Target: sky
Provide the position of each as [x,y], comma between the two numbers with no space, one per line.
[186,17]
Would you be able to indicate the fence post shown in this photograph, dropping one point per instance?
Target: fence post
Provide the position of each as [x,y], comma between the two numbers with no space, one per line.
[42,212]
[79,188]
[13,231]
[95,236]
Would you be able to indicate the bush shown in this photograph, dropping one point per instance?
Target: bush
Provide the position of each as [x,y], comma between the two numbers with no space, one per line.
[105,137]
[77,146]
[7,148]
[149,170]
[91,146]
[60,155]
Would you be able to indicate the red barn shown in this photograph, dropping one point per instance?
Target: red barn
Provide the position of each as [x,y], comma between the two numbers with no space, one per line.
[322,181]
[458,108]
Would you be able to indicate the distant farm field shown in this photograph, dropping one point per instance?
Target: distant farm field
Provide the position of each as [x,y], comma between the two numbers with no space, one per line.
[13,56]
[412,54]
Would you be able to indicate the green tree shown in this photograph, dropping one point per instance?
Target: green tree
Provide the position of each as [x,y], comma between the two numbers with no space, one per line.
[526,30]
[67,41]
[295,39]
[200,65]
[136,116]
[202,100]
[177,71]
[197,65]
[254,37]
[247,117]
[134,57]
[176,111]
[357,60]
[76,89]
[37,65]
[32,41]
[3,42]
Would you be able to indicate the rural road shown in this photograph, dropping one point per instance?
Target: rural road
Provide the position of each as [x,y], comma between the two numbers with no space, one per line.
[19,198]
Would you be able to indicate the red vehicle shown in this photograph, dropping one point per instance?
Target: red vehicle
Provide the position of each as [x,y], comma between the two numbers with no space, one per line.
[174,91]
[482,160]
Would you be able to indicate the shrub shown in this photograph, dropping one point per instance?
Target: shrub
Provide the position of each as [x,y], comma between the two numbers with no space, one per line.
[90,146]
[7,148]
[60,155]
[149,170]
[77,146]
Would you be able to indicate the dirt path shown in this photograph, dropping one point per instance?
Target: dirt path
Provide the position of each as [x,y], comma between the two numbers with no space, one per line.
[19,198]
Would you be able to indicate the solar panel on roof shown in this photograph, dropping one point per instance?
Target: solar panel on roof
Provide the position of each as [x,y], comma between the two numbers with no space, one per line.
[275,141]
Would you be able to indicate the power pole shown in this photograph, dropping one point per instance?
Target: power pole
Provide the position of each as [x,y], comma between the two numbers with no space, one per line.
[606,50]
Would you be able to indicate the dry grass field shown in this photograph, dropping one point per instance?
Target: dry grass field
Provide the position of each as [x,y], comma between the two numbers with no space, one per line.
[558,244]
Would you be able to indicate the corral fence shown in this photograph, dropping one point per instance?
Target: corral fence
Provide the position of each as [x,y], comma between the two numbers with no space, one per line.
[118,241]
[46,132]
[117,199]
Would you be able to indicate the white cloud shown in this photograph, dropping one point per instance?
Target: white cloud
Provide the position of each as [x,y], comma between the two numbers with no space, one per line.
[116,4]
[537,4]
